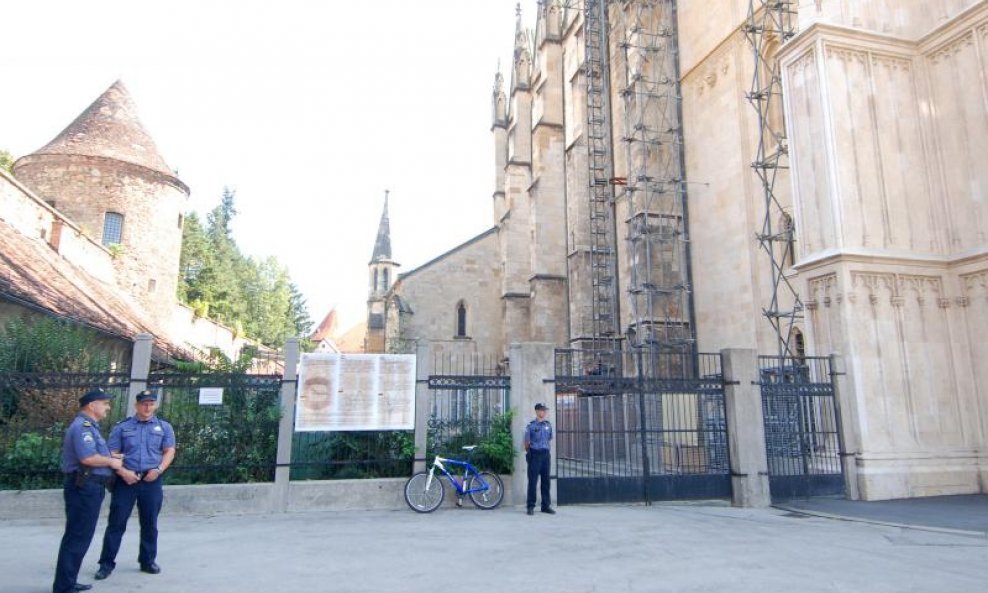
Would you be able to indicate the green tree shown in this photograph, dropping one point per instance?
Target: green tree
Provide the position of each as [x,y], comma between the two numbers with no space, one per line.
[218,281]
[6,161]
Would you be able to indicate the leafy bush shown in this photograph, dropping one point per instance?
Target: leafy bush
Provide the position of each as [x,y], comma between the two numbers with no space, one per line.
[495,449]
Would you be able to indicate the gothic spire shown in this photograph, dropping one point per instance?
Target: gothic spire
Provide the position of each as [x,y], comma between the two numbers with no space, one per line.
[382,246]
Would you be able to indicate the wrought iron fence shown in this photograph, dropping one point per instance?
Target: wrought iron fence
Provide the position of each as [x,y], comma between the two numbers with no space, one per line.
[624,434]
[230,442]
[352,455]
[469,403]
[35,409]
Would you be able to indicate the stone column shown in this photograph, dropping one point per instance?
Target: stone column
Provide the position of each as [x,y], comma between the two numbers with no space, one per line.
[745,429]
[532,372]
[286,428]
[423,352]
[140,367]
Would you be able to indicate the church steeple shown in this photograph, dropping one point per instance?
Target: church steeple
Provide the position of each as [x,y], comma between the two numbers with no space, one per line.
[522,72]
[382,275]
[382,246]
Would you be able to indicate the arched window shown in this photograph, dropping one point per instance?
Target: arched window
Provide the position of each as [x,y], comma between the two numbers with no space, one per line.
[799,345]
[387,279]
[112,228]
[374,283]
[461,320]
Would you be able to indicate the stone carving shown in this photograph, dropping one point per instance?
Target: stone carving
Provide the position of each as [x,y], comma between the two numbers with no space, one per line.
[951,48]
[846,55]
[891,62]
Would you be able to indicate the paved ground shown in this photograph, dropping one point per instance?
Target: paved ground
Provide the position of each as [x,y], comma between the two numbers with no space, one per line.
[963,513]
[674,548]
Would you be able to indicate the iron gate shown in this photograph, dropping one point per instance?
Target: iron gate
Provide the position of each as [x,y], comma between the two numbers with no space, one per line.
[626,438]
[802,427]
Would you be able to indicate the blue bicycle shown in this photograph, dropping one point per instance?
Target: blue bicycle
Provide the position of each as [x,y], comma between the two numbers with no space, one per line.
[424,491]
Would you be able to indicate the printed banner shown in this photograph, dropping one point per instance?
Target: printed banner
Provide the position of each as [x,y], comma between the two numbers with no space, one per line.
[339,392]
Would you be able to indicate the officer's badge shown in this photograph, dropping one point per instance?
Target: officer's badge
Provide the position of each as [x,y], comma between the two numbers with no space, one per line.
[157,428]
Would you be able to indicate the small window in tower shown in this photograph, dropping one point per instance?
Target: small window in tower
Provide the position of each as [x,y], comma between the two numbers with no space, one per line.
[112,228]
[387,278]
[461,320]
[180,221]
[152,284]
[374,285]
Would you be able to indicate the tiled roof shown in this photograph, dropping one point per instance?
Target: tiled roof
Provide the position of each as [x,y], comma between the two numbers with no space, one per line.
[109,128]
[35,276]
[326,329]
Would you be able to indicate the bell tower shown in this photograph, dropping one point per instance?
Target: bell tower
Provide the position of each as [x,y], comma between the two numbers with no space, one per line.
[381,276]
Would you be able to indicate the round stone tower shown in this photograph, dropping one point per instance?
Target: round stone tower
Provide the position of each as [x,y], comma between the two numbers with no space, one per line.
[105,174]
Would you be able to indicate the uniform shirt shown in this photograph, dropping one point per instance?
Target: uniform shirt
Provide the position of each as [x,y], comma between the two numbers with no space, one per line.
[538,434]
[83,440]
[142,443]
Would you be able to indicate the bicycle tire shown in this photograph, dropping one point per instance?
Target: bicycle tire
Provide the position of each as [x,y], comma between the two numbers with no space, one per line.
[490,498]
[420,499]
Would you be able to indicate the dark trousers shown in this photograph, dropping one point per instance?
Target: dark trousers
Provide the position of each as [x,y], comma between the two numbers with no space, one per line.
[82,506]
[538,471]
[148,496]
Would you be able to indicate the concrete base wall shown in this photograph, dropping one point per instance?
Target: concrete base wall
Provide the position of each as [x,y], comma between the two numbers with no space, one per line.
[244,499]
[904,477]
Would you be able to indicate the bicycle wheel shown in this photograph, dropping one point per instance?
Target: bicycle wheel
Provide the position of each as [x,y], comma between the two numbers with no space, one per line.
[490,498]
[421,499]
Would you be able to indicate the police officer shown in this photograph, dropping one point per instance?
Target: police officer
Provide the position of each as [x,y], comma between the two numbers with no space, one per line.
[88,466]
[148,447]
[538,433]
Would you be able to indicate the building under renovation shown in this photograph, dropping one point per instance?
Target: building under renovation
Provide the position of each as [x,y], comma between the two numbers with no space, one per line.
[796,177]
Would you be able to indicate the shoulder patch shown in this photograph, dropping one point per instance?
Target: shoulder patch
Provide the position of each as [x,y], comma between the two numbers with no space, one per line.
[87,423]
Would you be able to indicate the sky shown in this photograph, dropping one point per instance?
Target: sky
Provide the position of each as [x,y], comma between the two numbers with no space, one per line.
[310,110]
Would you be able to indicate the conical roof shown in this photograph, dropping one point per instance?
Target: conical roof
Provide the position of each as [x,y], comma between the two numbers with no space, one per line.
[382,246]
[109,128]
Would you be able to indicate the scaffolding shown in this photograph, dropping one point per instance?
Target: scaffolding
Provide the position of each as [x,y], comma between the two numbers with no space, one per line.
[604,302]
[652,205]
[659,293]
[770,24]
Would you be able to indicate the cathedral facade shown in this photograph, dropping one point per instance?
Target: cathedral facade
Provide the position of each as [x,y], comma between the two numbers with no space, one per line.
[880,234]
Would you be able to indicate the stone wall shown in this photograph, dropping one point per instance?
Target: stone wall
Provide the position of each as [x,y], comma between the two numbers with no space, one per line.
[467,274]
[86,188]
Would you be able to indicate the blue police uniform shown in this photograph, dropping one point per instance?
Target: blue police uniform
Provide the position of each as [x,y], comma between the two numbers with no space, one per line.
[143,444]
[538,433]
[83,492]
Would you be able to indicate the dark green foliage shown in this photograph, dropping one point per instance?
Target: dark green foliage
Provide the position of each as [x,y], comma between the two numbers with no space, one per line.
[255,297]
[495,450]
[352,455]
[44,366]
[233,443]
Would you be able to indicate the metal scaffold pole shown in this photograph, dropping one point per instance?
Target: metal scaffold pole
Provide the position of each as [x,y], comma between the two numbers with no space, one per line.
[769,25]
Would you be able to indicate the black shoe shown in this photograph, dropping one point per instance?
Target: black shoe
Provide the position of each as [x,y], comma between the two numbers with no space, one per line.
[531,511]
[82,586]
[549,510]
[102,573]
[150,568]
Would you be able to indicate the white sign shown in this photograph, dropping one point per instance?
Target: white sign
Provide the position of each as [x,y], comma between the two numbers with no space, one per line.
[210,396]
[355,392]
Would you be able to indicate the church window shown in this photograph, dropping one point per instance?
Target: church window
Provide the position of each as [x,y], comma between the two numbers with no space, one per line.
[387,278]
[112,228]
[180,219]
[461,320]
[374,284]
[152,284]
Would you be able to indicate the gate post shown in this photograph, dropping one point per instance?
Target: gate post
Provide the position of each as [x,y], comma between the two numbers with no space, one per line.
[848,454]
[423,361]
[533,372]
[286,428]
[140,367]
[745,429]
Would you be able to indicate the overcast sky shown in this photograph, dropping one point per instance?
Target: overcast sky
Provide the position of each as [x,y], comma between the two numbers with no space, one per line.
[310,110]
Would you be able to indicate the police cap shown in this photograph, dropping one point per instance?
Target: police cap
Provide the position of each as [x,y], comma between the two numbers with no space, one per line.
[147,395]
[540,406]
[93,395]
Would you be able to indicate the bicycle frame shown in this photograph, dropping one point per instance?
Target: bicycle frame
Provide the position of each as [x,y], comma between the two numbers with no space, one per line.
[468,470]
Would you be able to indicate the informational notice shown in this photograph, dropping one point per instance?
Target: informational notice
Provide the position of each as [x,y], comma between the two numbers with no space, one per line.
[210,396]
[339,392]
